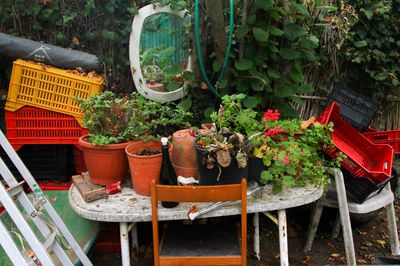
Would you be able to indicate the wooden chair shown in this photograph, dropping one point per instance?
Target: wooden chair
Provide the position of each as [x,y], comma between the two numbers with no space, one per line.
[199,244]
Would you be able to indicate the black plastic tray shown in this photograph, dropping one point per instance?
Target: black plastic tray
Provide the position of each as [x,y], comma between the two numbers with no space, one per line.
[357,109]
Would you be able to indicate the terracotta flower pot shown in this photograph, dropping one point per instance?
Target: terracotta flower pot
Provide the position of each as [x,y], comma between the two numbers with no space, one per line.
[144,168]
[107,163]
[183,156]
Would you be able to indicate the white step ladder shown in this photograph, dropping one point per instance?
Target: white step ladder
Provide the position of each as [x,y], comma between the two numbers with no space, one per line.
[52,229]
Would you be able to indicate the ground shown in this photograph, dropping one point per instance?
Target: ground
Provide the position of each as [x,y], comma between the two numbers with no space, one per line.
[371,241]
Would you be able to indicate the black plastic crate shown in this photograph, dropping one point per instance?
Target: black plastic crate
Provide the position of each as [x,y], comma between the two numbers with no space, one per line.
[358,189]
[45,162]
[358,110]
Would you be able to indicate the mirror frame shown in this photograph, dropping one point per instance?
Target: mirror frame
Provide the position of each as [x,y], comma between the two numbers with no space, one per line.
[134,49]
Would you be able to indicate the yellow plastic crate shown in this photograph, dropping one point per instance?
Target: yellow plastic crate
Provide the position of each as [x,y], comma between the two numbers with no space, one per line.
[49,88]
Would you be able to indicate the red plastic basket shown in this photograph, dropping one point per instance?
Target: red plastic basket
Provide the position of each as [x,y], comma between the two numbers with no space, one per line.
[364,158]
[32,125]
[390,137]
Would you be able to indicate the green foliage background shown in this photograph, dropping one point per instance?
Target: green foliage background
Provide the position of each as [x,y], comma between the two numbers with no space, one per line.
[282,50]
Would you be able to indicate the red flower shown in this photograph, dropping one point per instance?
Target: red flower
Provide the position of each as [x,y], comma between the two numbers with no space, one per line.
[271,115]
[285,160]
[272,132]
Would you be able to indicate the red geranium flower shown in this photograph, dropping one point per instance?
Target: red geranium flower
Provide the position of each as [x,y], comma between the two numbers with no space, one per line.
[271,115]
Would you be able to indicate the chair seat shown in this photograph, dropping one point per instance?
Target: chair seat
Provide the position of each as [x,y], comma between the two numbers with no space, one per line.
[373,203]
[200,240]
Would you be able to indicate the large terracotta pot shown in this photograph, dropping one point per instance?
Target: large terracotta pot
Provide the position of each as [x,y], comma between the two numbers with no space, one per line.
[144,168]
[183,156]
[106,163]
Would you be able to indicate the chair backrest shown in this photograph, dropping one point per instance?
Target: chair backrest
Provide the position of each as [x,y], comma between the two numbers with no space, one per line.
[199,194]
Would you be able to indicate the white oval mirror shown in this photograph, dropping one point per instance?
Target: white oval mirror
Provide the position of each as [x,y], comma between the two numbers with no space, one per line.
[156,53]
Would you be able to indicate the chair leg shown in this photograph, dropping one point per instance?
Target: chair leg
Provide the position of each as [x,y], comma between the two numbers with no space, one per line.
[314,222]
[394,238]
[256,236]
[336,227]
[283,245]
[345,218]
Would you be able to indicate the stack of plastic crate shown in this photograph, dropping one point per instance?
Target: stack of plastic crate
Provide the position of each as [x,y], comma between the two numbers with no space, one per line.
[368,165]
[41,111]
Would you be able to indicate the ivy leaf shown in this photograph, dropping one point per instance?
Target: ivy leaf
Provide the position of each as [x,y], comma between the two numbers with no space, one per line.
[311,42]
[176,69]
[109,35]
[222,84]
[297,76]
[297,100]
[360,44]
[274,74]
[217,65]
[242,31]
[244,64]
[264,4]
[293,31]
[256,85]
[283,91]
[305,88]
[189,76]
[301,8]
[260,34]
[289,54]
[68,18]
[275,31]
[186,103]
[367,13]
[251,101]
[90,5]
[328,8]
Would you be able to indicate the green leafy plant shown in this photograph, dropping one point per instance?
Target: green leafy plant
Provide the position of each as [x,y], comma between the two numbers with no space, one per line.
[109,117]
[113,119]
[292,151]
[232,116]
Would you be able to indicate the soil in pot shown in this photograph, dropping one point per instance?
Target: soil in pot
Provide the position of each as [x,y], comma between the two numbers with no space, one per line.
[144,168]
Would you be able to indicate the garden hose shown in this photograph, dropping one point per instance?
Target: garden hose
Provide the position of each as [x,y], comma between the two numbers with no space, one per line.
[228,50]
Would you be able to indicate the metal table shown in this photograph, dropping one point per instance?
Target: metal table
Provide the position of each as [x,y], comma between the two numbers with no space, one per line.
[128,208]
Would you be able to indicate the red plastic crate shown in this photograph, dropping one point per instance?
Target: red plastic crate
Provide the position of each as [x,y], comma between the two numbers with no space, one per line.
[364,158]
[390,137]
[79,160]
[32,125]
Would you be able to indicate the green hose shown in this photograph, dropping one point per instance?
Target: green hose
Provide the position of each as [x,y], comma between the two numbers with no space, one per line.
[228,50]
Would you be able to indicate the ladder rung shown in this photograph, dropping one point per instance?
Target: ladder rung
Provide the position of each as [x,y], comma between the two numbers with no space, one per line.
[13,191]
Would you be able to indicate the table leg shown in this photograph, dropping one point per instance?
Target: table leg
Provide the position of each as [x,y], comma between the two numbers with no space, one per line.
[283,245]
[133,228]
[124,238]
[256,236]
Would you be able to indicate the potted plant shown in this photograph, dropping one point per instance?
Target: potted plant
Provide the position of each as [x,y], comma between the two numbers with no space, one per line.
[107,118]
[232,119]
[144,155]
[291,151]
[221,157]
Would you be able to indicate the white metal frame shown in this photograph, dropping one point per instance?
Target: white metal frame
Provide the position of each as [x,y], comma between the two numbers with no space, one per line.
[134,49]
